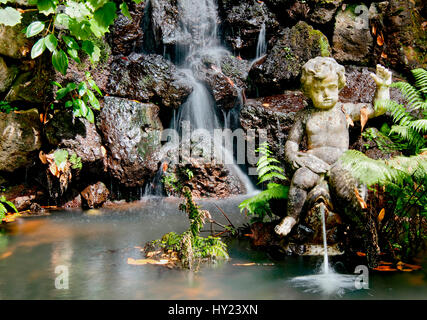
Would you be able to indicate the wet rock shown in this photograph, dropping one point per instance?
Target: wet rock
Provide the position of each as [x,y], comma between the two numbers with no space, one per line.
[352,40]
[75,202]
[225,78]
[77,135]
[13,42]
[282,67]
[95,195]
[20,139]
[148,78]
[131,132]
[360,87]
[23,196]
[322,11]
[165,22]
[276,115]
[127,34]
[375,145]
[7,75]
[401,37]
[32,84]
[210,179]
[242,25]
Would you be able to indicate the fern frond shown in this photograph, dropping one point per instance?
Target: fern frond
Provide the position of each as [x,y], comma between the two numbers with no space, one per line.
[420,76]
[395,171]
[270,176]
[409,135]
[411,94]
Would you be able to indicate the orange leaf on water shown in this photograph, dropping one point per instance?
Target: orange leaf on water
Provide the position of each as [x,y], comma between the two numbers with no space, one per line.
[384,268]
[361,254]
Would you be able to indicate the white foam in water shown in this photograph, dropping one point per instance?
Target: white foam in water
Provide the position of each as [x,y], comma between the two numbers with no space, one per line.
[327,281]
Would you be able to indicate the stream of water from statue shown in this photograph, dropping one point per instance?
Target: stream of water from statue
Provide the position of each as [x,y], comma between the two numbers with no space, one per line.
[326,281]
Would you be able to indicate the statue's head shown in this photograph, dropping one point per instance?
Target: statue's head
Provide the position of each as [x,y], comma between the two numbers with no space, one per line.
[322,79]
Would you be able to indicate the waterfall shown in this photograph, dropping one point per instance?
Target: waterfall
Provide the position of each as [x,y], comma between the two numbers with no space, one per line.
[261,48]
[195,38]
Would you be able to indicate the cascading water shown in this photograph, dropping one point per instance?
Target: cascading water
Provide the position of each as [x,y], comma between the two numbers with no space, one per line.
[261,47]
[196,38]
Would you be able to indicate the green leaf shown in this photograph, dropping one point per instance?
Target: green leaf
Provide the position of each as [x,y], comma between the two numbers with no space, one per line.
[61,93]
[92,50]
[74,55]
[80,29]
[77,10]
[60,156]
[56,84]
[46,6]
[10,17]
[93,100]
[90,116]
[34,29]
[82,88]
[51,42]
[63,20]
[105,16]
[81,106]
[38,48]
[70,42]
[71,86]
[94,86]
[60,61]
[125,10]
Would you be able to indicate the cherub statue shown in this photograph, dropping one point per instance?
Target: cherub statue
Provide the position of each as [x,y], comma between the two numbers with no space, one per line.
[325,124]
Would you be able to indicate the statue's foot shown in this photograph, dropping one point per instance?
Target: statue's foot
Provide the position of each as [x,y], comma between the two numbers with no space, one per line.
[285,226]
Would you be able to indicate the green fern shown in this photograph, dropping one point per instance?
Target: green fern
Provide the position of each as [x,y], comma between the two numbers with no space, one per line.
[397,171]
[258,206]
[408,128]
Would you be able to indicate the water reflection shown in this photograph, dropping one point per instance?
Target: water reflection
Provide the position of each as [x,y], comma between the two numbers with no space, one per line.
[96,249]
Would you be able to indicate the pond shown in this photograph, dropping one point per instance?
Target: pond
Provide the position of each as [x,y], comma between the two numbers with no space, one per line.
[93,246]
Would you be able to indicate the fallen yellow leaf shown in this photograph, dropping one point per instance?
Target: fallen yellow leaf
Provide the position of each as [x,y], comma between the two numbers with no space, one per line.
[381,215]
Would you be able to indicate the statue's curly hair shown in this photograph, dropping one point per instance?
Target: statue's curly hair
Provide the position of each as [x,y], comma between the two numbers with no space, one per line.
[319,68]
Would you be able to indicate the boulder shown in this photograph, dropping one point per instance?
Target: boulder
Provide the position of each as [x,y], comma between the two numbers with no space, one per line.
[95,195]
[352,39]
[127,34]
[77,135]
[275,114]
[7,75]
[164,23]
[322,11]
[242,24]
[360,87]
[13,42]
[131,132]
[20,139]
[400,32]
[282,66]
[148,78]
[225,78]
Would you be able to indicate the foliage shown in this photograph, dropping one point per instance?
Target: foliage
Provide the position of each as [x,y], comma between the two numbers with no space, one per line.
[67,29]
[61,157]
[4,205]
[6,107]
[199,247]
[410,122]
[403,179]
[258,205]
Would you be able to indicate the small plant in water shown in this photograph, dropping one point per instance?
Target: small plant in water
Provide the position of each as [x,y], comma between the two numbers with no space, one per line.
[189,247]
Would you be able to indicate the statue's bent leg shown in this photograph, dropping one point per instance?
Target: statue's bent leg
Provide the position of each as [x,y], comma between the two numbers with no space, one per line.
[303,180]
[342,185]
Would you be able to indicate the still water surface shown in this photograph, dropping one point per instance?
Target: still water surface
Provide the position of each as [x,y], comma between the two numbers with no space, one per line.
[95,246]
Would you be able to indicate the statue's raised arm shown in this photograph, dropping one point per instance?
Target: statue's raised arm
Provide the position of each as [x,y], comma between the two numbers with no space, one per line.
[383,79]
